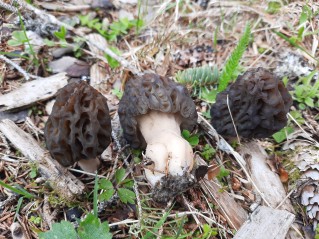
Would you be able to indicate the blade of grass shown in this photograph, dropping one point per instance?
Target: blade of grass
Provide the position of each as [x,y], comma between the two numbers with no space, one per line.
[96,181]
[157,226]
[13,55]
[293,43]
[20,191]
[18,208]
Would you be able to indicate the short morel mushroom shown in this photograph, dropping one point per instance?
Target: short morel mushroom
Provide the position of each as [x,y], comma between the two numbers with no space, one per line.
[79,127]
[258,102]
[152,112]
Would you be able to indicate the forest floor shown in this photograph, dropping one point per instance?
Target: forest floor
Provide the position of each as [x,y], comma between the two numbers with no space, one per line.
[109,41]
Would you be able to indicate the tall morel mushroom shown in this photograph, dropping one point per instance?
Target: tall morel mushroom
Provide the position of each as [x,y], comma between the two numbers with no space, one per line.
[258,102]
[152,112]
[79,127]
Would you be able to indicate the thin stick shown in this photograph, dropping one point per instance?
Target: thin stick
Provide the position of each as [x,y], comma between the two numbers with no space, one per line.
[8,7]
[232,120]
[295,121]
[239,159]
[84,172]
[16,66]
[126,221]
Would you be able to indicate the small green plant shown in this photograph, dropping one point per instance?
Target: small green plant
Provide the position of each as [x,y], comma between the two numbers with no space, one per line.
[273,7]
[90,227]
[117,92]
[112,62]
[17,189]
[108,189]
[300,32]
[34,171]
[61,34]
[193,140]
[317,232]
[35,220]
[208,152]
[123,188]
[206,82]
[208,232]
[116,28]
[306,93]
[233,61]
[18,38]
[223,173]
[198,79]
[282,134]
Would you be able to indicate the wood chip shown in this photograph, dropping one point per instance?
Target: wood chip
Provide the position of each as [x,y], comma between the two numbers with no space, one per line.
[266,223]
[32,92]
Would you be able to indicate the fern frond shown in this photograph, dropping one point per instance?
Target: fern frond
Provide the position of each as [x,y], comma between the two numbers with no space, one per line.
[233,61]
[203,76]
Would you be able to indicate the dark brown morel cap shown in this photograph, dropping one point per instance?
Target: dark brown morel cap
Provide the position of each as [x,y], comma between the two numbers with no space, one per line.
[259,103]
[153,92]
[79,126]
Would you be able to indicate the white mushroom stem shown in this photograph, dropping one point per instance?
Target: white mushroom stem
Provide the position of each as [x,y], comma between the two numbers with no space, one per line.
[166,148]
[89,165]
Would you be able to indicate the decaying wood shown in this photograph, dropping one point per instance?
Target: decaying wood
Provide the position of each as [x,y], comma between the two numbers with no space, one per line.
[267,181]
[98,74]
[232,211]
[266,223]
[59,178]
[33,91]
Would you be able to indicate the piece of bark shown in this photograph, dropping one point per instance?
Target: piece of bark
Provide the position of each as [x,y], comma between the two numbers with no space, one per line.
[33,91]
[267,181]
[59,178]
[98,73]
[99,77]
[232,211]
[266,223]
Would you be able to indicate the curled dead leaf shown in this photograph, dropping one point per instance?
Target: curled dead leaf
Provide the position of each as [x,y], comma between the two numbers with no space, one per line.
[283,175]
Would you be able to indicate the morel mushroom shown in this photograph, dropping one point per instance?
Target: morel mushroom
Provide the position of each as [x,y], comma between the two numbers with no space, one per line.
[152,112]
[79,127]
[258,102]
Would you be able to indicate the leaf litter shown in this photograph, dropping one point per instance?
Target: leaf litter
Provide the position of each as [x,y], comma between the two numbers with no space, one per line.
[171,39]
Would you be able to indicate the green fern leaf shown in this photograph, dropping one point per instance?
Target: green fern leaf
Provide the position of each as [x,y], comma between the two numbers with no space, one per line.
[233,61]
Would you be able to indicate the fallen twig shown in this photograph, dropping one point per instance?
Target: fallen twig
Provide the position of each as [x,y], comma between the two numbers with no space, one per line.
[32,92]
[62,181]
[16,66]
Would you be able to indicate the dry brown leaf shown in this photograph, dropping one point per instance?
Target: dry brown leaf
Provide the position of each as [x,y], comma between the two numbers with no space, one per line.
[283,174]
[213,171]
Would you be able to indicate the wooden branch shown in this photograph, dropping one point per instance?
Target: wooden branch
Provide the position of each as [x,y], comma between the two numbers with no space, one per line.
[267,181]
[32,92]
[232,211]
[59,178]
[266,223]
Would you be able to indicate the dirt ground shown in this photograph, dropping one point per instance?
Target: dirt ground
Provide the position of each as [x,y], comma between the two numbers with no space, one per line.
[108,42]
